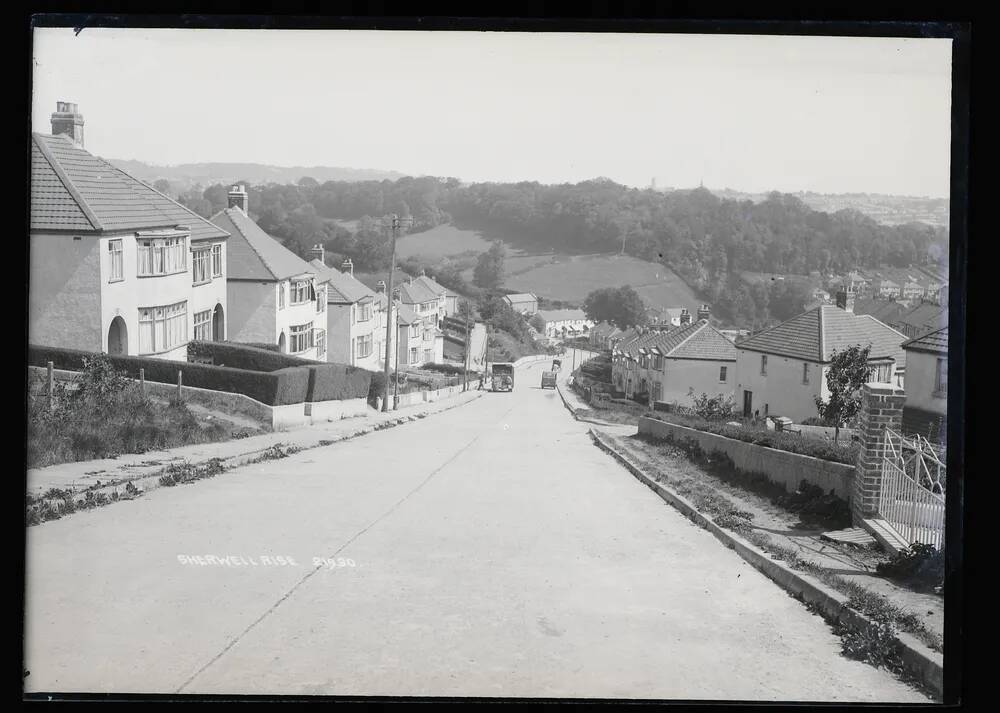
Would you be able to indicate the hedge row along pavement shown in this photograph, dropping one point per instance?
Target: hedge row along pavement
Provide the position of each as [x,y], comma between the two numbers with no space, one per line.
[327,381]
[281,385]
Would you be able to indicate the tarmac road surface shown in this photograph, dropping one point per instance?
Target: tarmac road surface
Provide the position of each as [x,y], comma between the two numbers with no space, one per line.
[490,550]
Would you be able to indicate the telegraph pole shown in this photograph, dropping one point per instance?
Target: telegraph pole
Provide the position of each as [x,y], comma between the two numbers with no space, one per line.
[393,223]
[468,350]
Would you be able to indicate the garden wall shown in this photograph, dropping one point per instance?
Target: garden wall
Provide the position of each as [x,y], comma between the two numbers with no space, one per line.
[781,467]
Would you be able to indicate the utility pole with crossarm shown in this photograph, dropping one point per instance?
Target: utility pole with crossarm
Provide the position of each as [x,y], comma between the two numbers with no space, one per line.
[393,223]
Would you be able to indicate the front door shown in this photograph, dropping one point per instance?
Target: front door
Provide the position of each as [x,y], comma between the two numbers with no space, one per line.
[747,403]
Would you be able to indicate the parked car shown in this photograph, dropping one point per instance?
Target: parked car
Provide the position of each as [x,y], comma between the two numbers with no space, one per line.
[548,379]
[502,377]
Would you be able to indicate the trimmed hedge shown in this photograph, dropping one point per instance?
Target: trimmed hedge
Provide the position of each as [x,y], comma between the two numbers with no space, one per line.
[802,445]
[275,388]
[327,382]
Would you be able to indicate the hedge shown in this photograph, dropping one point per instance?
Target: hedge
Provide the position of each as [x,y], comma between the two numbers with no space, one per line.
[327,381]
[793,443]
[275,388]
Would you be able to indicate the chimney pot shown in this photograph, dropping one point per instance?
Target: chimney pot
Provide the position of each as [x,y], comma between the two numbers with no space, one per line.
[318,252]
[238,198]
[845,300]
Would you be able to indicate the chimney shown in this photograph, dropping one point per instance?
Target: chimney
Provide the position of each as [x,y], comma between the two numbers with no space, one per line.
[380,287]
[704,312]
[347,266]
[67,120]
[845,300]
[685,317]
[238,198]
[318,253]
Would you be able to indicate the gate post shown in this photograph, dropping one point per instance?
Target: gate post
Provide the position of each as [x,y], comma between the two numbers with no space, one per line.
[881,408]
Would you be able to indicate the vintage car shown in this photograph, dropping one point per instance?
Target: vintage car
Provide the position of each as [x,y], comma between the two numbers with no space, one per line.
[556,365]
[548,379]
[502,377]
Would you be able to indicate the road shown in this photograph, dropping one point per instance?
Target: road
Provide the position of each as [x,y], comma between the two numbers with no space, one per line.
[495,551]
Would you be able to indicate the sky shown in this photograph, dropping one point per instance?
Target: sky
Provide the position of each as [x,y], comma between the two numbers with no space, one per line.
[748,112]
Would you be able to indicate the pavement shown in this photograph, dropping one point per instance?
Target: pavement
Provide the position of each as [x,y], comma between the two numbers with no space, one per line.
[488,550]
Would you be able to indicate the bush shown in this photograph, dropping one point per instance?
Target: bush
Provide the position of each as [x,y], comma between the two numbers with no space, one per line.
[921,566]
[376,386]
[336,382]
[445,369]
[713,408]
[793,443]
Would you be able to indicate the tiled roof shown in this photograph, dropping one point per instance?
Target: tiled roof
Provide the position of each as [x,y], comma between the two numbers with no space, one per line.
[699,340]
[925,316]
[342,287]
[935,342]
[417,292]
[73,190]
[405,315]
[252,254]
[430,284]
[887,311]
[561,315]
[521,297]
[816,334]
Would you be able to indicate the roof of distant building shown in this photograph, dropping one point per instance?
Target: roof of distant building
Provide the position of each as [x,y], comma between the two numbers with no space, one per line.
[520,297]
[815,335]
[405,314]
[74,191]
[886,311]
[935,342]
[419,290]
[562,315]
[924,316]
[343,288]
[699,340]
[252,254]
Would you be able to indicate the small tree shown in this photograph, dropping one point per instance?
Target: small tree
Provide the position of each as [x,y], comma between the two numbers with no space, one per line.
[713,408]
[537,322]
[847,373]
[489,271]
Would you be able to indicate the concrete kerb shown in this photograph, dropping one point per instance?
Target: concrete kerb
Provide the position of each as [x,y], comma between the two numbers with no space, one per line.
[573,411]
[922,662]
[150,480]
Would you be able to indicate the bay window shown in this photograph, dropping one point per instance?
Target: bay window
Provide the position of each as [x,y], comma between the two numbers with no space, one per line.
[301,292]
[301,338]
[161,256]
[319,339]
[162,328]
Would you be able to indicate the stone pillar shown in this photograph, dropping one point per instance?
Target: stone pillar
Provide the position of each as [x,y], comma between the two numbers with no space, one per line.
[881,408]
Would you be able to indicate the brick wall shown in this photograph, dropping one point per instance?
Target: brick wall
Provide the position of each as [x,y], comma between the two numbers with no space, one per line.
[882,407]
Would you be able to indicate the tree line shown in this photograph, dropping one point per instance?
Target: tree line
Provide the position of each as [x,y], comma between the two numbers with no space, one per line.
[705,239]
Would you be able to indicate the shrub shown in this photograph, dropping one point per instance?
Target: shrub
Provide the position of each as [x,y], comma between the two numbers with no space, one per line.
[713,408]
[920,566]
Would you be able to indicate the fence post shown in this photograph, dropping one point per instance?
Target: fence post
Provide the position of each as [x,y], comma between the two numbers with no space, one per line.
[142,381]
[881,408]
[51,384]
[180,383]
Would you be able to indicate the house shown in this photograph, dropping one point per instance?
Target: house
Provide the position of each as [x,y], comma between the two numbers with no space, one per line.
[884,287]
[353,325]
[273,293]
[419,342]
[522,302]
[450,303]
[425,297]
[925,411]
[853,283]
[923,318]
[912,290]
[114,265]
[673,316]
[781,370]
[565,322]
[599,334]
[676,361]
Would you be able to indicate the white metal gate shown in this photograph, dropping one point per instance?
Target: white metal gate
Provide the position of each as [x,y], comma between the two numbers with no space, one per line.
[913,489]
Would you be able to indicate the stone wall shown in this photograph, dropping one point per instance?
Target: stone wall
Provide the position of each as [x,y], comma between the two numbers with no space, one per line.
[781,467]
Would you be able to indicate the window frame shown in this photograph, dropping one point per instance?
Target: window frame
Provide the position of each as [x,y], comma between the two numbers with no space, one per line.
[805,373]
[172,249]
[203,256]
[206,321]
[216,257]
[298,332]
[723,373]
[116,254]
[940,377]
[166,322]
[303,287]
[763,364]
[281,295]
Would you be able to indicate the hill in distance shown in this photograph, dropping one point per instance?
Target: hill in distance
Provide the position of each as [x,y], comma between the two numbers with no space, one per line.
[208,173]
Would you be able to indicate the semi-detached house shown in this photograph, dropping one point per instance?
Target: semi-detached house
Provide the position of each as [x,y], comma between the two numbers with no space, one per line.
[355,331]
[273,293]
[115,266]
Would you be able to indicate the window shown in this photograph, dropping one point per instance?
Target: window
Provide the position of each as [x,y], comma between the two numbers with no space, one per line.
[116,272]
[414,331]
[217,260]
[200,265]
[658,362]
[413,355]
[882,373]
[319,339]
[763,364]
[320,300]
[805,373]
[941,378]
[281,295]
[203,325]
[364,346]
[657,390]
[364,311]
[428,355]
[723,374]
[161,256]
[301,292]
[162,328]
[301,338]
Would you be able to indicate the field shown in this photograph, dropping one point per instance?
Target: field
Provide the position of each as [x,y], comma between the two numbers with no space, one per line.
[572,278]
[441,241]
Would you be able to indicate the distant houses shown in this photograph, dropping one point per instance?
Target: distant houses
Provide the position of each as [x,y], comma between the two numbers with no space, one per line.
[565,323]
[523,303]
[354,322]
[115,266]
